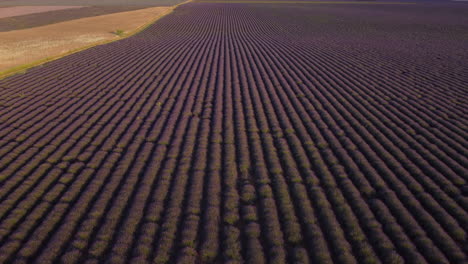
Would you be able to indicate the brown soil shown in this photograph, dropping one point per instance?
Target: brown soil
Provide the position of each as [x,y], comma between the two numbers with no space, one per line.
[26,46]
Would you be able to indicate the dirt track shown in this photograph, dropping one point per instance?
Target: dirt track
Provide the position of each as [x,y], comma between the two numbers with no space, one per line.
[245,132]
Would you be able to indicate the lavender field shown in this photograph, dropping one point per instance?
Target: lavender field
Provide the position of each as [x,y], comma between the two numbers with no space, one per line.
[245,132]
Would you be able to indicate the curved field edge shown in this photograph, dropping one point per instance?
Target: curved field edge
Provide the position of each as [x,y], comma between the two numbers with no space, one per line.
[24,67]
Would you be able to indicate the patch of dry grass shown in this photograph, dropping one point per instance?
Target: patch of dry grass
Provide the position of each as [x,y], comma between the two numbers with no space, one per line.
[26,46]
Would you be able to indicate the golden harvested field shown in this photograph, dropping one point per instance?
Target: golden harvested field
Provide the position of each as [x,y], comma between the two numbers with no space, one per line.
[29,45]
